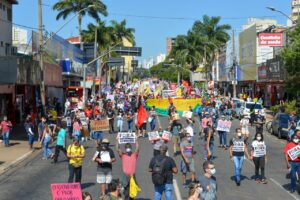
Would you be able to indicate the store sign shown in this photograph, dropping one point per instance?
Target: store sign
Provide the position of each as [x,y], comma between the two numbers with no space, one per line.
[270,39]
[262,73]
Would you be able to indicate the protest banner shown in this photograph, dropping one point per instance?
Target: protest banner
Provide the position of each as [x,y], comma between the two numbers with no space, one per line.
[100,125]
[153,136]
[294,152]
[67,191]
[224,125]
[166,135]
[187,114]
[126,137]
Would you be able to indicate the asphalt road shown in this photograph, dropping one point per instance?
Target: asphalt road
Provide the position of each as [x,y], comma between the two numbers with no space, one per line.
[31,180]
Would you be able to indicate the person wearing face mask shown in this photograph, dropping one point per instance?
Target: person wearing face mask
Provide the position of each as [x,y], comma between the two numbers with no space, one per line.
[187,159]
[292,157]
[208,182]
[104,156]
[237,151]
[259,157]
[209,141]
[129,161]
[158,143]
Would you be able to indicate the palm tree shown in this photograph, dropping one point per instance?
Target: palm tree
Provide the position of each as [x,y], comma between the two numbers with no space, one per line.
[66,7]
[120,31]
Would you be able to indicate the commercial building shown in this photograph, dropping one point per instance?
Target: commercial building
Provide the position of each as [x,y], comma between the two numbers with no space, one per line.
[8,62]
[251,53]
[295,10]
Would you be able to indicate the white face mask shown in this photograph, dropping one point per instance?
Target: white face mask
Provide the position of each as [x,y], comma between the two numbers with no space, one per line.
[213,171]
[296,140]
[239,134]
[258,138]
[128,150]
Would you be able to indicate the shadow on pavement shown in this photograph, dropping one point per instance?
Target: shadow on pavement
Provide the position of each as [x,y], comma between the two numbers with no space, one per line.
[86,185]
[287,186]
[242,178]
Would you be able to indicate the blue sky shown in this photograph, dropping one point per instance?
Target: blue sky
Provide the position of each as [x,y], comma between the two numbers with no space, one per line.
[154,20]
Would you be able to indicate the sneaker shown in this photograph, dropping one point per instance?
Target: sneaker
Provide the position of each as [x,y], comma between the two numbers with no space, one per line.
[257,180]
[264,181]
[238,183]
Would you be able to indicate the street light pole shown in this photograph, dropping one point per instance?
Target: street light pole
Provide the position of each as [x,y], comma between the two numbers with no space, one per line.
[279,11]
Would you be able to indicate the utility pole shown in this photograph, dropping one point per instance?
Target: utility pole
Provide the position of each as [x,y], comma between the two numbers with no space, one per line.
[95,68]
[42,85]
[234,65]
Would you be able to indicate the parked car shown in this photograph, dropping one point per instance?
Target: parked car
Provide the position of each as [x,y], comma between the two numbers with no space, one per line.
[280,125]
[238,108]
[258,108]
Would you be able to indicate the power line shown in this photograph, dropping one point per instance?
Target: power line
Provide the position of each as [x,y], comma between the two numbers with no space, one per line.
[20,25]
[181,18]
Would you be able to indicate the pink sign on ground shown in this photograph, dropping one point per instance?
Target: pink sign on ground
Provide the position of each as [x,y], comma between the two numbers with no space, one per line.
[66,191]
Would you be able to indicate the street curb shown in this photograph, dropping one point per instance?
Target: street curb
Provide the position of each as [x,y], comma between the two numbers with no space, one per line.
[15,162]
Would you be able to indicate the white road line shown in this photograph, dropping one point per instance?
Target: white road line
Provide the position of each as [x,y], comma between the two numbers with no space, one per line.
[278,184]
[176,188]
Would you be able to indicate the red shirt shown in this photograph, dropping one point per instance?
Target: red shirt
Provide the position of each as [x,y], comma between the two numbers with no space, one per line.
[289,146]
[88,113]
[96,110]
[5,126]
[129,163]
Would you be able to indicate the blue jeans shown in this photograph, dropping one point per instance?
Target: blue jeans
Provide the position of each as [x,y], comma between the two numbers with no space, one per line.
[223,137]
[70,130]
[238,164]
[153,124]
[30,139]
[211,149]
[120,125]
[295,168]
[6,138]
[167,188]
[47,150]
[130,122]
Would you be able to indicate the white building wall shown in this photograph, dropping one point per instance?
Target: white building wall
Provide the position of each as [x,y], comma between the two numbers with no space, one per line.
[5,28]
[19,36]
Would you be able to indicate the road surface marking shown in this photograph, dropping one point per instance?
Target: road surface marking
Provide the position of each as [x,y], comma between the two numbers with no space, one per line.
[278,184]
[176,188]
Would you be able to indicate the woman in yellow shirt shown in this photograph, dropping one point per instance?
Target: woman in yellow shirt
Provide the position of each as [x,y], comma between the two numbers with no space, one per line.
[75,153]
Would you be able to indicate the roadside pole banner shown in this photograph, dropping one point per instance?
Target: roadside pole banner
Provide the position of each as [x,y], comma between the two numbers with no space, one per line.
[100,125]
[294,152]
[126,137]
[153,136]
[66,191]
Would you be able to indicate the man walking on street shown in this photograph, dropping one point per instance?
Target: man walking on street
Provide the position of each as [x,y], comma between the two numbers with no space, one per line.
[208,182]
[75,153]
[162,168]
[129,161]
[104,156]
[111,115]
[60,143]
[5,127]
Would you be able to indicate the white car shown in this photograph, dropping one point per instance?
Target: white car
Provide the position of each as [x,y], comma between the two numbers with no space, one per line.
[258,108]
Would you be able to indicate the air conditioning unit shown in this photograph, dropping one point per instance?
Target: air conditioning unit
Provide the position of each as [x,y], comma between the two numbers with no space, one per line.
[14,50]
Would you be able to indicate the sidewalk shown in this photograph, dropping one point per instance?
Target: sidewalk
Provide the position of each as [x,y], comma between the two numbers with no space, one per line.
[17,151]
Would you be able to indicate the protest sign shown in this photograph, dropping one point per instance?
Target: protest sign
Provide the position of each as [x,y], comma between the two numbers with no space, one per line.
[187,114]
[100,125]
[153,136]
[166,135]
[125,137]
[67,191]
[224,125]
[294,152]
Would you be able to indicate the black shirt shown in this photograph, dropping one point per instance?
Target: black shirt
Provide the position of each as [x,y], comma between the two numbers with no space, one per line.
[103,167]
[110,113]
[169,164]
[238,146]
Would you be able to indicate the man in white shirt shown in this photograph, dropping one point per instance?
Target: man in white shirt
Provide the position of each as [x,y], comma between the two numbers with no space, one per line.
[67,106]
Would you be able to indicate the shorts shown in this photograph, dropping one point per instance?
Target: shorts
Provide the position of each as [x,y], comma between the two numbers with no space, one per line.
[176,139]
[245,131]
[103,177]
[184,168]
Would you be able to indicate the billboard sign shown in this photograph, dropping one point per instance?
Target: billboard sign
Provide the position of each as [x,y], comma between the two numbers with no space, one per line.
[270,39]
[262,73]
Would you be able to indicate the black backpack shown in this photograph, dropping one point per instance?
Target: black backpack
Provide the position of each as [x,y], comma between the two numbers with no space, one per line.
[158,172]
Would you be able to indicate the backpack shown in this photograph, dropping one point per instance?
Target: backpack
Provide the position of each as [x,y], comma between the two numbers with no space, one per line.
[158,172]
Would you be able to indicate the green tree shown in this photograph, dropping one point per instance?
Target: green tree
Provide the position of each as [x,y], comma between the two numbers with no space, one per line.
[121,31]
[67,7]
[167,73]
[291,58]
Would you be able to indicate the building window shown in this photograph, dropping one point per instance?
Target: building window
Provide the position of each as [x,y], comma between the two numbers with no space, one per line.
[9,14]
